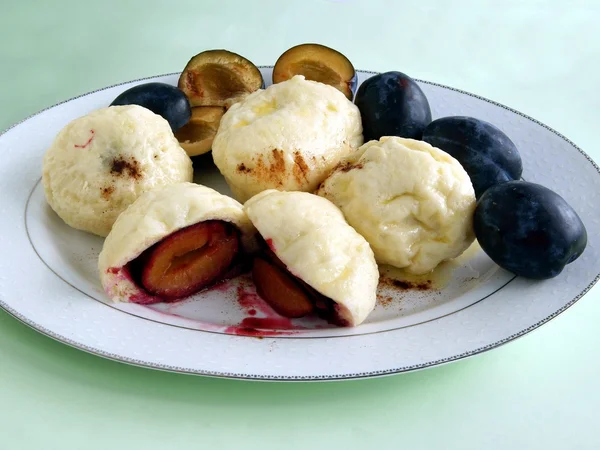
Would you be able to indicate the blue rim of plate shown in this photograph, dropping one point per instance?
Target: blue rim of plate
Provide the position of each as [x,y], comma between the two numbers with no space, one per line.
[351,376]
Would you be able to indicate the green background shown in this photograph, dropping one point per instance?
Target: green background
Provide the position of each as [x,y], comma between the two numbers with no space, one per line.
[539,57]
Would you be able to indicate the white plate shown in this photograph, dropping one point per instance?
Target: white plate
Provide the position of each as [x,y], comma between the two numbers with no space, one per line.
[48,277]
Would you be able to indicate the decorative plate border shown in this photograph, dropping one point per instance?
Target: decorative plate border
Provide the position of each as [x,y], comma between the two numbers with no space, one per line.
[350,376]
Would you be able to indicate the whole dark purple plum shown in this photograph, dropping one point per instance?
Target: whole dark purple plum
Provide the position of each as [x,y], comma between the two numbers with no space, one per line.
[392,104]
[485,152]
[528,229]
[160,98]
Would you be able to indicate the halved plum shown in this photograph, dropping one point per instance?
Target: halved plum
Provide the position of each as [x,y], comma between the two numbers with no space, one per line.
[219,78]
[197,136]
[318,63]
[188,260]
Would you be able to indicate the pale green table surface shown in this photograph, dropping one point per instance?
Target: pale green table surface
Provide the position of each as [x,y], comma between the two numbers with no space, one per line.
[541,392]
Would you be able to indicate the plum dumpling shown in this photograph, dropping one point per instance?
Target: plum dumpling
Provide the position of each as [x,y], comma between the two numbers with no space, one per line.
[287,137]
[100,163]
[174,242]
[311,260]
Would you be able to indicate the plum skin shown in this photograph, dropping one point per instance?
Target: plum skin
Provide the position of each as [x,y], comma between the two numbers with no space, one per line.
[392,104]
[528,229]
[160,98]
[485,152]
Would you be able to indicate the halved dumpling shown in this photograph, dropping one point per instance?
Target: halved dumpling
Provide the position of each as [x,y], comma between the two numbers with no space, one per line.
[317,63]
[310,259]
[196,137]
[173,242]
[219,78]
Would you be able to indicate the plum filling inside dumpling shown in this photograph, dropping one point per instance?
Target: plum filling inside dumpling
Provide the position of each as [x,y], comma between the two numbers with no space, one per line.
[188,260]
[287,294]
